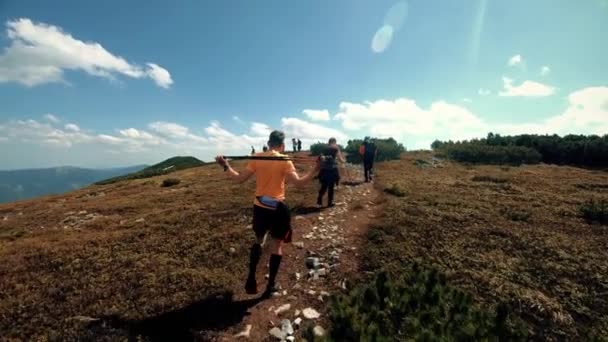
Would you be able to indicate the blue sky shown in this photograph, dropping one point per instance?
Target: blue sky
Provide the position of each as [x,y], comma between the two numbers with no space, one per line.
[109,83]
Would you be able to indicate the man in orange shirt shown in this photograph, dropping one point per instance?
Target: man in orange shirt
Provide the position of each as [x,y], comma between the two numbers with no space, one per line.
[270,214]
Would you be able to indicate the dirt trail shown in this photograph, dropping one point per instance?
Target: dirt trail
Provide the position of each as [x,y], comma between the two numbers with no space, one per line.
[334,236]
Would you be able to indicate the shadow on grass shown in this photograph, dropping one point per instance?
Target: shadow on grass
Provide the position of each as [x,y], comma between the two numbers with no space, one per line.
[216,312]
[304,210]
[351,183]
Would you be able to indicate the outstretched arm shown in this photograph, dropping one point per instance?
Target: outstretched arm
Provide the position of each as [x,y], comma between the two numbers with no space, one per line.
[237,177]
[295,179]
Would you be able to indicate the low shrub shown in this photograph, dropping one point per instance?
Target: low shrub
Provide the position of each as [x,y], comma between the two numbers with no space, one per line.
[417,306]
[395,190]
[490,179]
[476,153]
[595,211]
[170,182]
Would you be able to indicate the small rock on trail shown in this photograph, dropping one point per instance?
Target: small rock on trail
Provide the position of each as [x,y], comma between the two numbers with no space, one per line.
[310,313]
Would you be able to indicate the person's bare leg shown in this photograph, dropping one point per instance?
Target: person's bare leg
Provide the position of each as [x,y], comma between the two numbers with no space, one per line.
[276,250]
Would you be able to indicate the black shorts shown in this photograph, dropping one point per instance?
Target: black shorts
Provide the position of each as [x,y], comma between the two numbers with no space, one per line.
[275,221]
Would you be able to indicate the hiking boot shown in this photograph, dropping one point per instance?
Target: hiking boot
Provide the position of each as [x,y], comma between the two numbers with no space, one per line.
[270,290]
[319,205]
[251,286]
[331,205]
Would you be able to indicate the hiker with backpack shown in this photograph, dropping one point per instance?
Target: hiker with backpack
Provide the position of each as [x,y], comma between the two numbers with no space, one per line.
[368,152]
[329,173]
[270,213]
[299,145]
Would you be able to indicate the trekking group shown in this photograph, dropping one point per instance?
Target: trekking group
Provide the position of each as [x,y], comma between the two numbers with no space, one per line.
[271,215]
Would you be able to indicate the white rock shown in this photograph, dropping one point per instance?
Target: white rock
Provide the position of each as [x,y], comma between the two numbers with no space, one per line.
[299,244]
[311,292]
[310,313]
[290,338]
[298,276]
[297,313]
[283,308]
[324,294]
[232,250]
[245,333]
[286,327]
[277,333]
[140,220]
[297,322]
[319,331]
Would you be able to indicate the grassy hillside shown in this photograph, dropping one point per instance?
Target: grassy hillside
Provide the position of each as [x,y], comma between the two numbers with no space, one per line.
[129,250]
[504,234]
[23,184]
[132,250]
[170,165]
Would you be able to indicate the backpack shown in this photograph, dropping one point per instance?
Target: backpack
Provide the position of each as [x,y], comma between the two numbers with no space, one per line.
[370,152]
[328,162]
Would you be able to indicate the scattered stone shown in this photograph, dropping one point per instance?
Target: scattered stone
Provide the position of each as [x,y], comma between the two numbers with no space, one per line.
[297,322]
[299,244]
[310,313]
[298,276]
[325,294]
[322,272]
[84,319]
[284,292]
[140,220]
[299,217]
[21,213]
[5,218]
[290,338]
[277,333]
[297,313]
[245,333]
[319,331]
[283,308]
[312,292]
[312,263]
[232,250]
[286,327]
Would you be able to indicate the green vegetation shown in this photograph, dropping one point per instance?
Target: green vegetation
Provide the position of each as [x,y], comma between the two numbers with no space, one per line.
[388,149]
[595,211]
[581,150]
[162,168]
[170,182]
[395,190]
[417,306]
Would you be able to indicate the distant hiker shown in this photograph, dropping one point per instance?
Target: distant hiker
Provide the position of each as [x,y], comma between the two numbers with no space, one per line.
[252,150]
[368,151]
[295,144]
[265,148]
[329,173]
[299,145]
[270,213]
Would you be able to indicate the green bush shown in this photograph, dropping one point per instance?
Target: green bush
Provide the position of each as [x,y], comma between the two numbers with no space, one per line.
[395,190]
[417,306]
[591,150]
[170,182]
[595,211]
[477,153]
[388,149]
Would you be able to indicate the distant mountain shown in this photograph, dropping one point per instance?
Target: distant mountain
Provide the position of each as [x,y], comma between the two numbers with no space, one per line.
[23,184]
[162,168]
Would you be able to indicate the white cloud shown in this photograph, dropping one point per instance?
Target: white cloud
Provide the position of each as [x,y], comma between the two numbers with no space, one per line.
[467,100]
[484,92]
[309,132]
[260,130]
[238,120]
[39,53]
[545,70]
[316,114]
[382,39]
[169,129]
[526,89]
[72,127]
[160,75]
[515,60]
[52,118]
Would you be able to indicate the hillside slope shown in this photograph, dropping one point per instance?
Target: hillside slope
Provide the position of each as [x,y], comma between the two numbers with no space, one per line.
[165,167]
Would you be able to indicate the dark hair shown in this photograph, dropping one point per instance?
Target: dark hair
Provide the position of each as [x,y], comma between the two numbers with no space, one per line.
[332,141]
[276,139]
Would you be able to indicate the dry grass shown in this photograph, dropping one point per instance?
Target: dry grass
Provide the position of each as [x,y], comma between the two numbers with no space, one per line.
[131,249]
[524,244]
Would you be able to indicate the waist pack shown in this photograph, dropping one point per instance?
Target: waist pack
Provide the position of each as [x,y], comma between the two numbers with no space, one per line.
[268,201]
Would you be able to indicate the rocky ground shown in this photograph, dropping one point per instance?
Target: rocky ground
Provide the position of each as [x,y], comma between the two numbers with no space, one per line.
[322,257]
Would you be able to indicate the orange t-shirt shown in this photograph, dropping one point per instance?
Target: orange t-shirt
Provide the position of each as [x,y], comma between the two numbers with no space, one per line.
[270,175]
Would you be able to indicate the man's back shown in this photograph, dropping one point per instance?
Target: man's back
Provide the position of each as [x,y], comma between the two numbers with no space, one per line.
[270,174]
